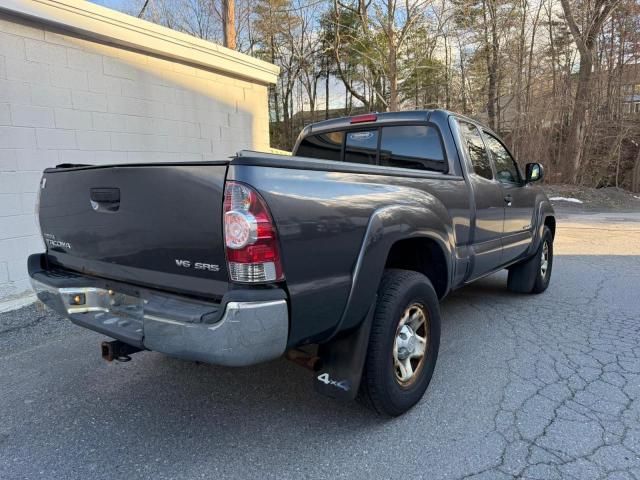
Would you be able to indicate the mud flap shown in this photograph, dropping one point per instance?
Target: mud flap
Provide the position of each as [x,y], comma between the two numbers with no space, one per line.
[522,276]
[342,361]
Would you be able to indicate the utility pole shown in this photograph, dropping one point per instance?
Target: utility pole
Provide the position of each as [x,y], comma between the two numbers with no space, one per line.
[229,23]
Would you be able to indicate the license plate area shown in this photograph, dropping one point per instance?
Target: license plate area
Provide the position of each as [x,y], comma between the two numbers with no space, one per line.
[92,299]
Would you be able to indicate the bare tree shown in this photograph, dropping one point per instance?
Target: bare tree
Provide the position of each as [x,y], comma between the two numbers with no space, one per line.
[584,34]
[559,80]
[310,51]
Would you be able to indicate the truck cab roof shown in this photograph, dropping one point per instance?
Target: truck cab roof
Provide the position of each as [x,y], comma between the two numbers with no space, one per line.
[408,116]
[380,117]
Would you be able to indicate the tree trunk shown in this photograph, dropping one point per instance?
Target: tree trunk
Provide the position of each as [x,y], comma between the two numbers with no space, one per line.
[393,79]
[312,109]
[495,66]
[491,96]
[530,64]
[362,8]
[578,125]
[635,178]
[276,101]
[286,118]
[346,101]
[519,74]
[229,23]
[326,91]
[447,92]
[620,76]
[393,58]
[552,51]
[290,134]
[463,78]
[492,70]
[586,43]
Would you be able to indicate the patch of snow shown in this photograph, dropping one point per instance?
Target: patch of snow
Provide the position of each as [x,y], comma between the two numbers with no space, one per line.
[566,199]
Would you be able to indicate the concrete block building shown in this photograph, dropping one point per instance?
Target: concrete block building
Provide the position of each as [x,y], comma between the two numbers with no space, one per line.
[80,83]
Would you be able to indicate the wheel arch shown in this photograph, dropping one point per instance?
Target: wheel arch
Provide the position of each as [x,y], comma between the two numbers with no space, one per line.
[550,221]
[390,230]
[424,255]
[545,216]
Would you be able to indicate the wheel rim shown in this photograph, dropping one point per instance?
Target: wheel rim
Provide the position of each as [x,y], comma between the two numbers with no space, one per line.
[410,344]
[544,264]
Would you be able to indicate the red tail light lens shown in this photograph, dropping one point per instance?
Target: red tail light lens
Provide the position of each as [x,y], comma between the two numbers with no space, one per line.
[250,236]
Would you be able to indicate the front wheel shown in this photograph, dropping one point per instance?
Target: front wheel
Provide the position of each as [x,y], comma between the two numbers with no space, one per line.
[403,345]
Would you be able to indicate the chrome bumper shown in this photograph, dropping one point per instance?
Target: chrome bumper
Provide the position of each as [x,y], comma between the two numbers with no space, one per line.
[245,333]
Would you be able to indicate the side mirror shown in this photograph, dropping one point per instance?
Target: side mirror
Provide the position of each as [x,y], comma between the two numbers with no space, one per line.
[534,172]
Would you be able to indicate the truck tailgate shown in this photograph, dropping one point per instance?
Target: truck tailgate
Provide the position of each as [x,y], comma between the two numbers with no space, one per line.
[157,225]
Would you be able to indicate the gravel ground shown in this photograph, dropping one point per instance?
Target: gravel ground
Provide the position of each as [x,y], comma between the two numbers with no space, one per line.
[535,387]
[608,199]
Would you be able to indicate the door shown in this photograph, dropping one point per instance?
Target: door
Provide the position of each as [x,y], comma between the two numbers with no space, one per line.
[519,201]
[486,236]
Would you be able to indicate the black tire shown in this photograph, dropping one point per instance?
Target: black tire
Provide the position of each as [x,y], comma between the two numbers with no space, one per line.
[528,276]
[380,388]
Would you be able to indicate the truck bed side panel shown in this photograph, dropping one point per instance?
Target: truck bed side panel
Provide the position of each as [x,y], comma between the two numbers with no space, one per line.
[322,217]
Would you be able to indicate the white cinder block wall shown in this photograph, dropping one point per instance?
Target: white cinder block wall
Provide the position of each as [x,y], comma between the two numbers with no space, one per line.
[68,98]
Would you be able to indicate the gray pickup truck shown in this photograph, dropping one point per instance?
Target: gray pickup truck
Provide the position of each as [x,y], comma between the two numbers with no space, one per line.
[336,256]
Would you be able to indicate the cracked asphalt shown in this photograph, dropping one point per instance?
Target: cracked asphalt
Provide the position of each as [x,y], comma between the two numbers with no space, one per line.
[537,387]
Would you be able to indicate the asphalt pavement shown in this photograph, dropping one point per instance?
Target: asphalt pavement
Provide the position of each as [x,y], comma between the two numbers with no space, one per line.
[536,387]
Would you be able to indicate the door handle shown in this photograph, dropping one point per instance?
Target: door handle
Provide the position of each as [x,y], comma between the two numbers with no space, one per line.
[507,199]
[105,199]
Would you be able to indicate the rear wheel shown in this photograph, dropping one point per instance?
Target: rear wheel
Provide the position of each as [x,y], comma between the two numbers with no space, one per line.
[404,342]
[534,274]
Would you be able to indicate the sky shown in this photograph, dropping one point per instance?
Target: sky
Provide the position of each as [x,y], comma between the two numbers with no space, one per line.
[336,99]
[115,4]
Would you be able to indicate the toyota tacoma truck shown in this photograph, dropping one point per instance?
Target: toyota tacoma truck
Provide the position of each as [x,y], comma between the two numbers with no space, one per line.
[336,257]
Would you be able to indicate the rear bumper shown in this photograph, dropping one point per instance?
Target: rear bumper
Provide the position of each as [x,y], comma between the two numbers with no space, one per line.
[234,333]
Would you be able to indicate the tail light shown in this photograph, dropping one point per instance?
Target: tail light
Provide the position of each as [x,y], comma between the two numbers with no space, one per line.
[368,117]
[250,236]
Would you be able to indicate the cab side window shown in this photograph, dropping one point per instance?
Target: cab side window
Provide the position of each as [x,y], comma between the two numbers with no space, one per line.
[475,149]
[417,147]
[506,167]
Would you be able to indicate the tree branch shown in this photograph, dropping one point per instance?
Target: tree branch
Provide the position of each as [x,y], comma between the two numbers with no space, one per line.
[144,7]
[573,27]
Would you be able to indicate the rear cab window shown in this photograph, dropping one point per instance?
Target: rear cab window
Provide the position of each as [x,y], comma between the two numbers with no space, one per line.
[324,145]
[361,147]
[411,146]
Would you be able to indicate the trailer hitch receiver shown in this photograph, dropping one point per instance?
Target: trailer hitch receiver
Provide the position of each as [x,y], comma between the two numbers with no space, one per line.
[117,350]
